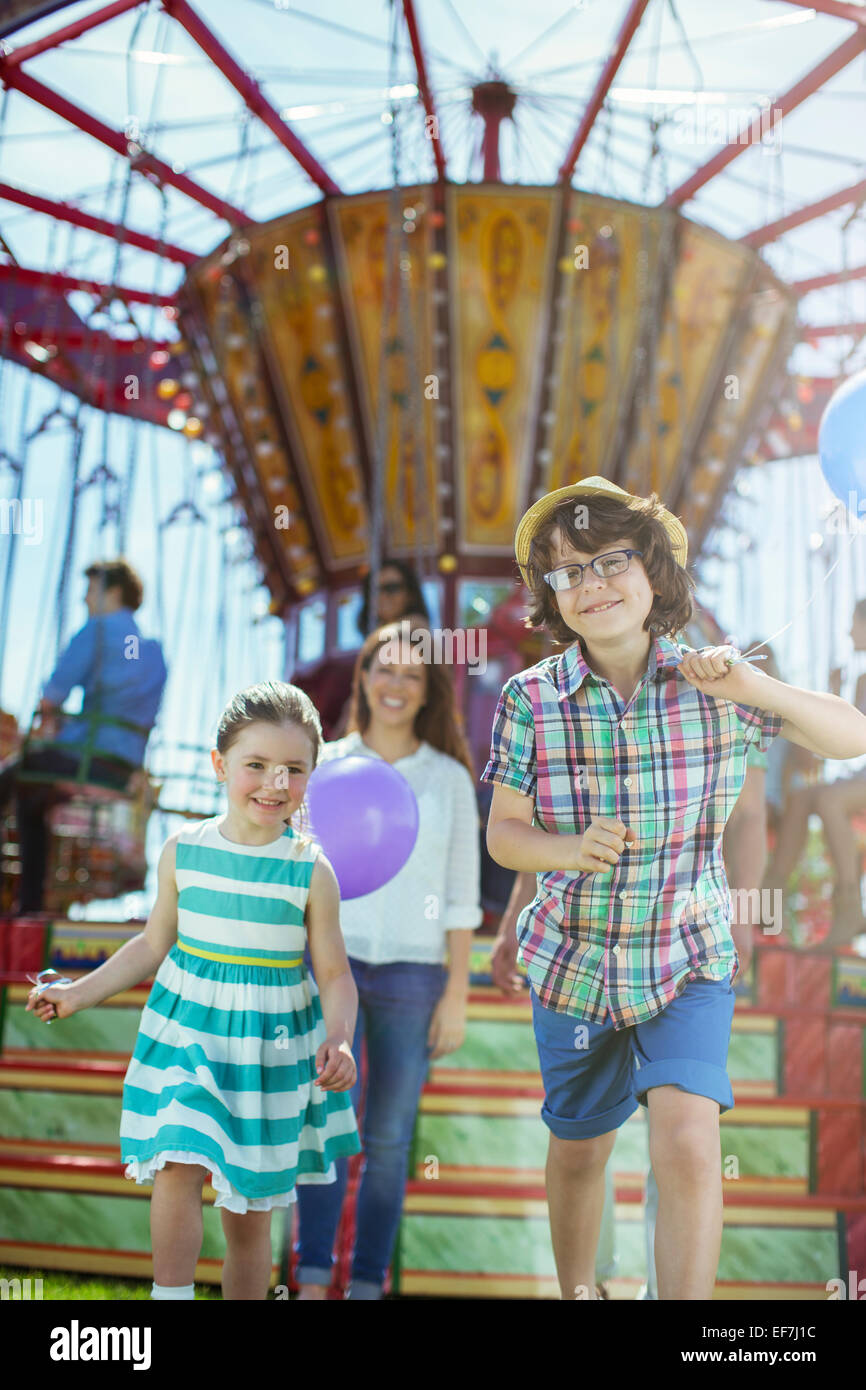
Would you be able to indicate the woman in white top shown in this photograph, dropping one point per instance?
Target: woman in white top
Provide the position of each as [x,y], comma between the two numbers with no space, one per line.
[408,945]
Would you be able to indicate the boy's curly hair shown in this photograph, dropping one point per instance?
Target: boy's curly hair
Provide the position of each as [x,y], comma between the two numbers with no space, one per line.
[609,521]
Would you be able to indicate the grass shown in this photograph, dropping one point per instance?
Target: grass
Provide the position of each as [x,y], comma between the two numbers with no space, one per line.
[59,1286]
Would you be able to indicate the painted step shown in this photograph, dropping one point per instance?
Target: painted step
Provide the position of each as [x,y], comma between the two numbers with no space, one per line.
[96,1230]
[823,1142]
[504,1250]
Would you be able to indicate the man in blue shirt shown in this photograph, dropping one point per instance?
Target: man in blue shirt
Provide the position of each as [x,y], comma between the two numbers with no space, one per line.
[122,675]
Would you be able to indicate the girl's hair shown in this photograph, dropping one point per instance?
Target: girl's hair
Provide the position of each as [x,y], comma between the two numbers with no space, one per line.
[438,721]
[415,602]
[610,521]
[271,702]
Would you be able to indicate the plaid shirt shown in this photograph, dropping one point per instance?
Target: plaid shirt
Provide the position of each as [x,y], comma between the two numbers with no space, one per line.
[670,764]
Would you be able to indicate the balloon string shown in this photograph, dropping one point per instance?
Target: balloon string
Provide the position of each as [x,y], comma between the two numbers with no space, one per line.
[746,655]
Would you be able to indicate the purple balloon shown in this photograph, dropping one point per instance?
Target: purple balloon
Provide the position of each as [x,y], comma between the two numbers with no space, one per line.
[365,816]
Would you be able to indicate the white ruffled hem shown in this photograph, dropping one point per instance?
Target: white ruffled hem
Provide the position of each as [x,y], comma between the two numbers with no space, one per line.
[143,1171]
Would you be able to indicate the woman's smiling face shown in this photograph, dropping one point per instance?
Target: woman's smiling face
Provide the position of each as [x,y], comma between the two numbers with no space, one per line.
[602,609]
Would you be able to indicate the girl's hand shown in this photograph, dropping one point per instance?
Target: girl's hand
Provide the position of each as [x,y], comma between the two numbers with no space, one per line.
[448,1025]
[601,844]
[709,672]
[57,1002]
[335,1065]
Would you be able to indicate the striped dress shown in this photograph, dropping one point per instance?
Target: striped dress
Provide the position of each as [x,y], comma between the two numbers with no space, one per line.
[223,1069]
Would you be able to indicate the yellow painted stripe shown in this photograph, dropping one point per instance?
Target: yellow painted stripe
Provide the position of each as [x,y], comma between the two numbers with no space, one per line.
[754,1023]
[12,1080]
[69,1180]
[625,1182]
[462,1077]
[415,1281]
[776,1116]
[468,1104]
[419,1203]
[465,1103]
[631,1213]
[241,960]
[517,1013]
[31,1148]
[128,998]
[775,1293]
[133,1264]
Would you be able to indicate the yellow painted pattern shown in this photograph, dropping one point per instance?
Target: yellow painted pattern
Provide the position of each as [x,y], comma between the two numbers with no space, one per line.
[703,295]
[604,279]
[300,321]
[501,254]
[360,228]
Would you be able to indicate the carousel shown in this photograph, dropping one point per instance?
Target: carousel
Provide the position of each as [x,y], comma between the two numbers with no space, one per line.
[373,300]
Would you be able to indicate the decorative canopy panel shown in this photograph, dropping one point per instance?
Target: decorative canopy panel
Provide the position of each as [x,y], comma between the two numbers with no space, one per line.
[485,347]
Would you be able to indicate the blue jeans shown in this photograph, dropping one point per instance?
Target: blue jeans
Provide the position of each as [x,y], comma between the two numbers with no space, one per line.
[395,1007]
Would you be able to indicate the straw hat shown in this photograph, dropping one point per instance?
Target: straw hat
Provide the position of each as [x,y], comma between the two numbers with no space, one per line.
[538,513]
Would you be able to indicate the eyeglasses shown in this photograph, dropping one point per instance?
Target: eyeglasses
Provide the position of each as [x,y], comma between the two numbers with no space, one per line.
[394,586]
[571,576]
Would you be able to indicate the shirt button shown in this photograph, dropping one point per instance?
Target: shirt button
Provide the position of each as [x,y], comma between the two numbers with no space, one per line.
[616,950]
[623,895]
[626,781]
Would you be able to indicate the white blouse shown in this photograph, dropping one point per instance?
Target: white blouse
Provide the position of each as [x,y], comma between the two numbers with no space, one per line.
[438,887]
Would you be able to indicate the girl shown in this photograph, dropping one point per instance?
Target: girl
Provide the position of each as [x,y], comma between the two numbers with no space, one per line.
[408,946]
[235,1071]
[616,765]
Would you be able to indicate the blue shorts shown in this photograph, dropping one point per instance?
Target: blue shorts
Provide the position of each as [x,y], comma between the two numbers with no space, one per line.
[594,1080]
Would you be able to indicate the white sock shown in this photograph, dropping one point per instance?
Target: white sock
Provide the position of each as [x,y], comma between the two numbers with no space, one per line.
[165,1291]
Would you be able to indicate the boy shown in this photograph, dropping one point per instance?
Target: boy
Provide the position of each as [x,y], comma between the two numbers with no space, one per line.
[616,765]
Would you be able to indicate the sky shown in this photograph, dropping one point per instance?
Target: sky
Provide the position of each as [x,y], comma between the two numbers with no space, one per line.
[330,70]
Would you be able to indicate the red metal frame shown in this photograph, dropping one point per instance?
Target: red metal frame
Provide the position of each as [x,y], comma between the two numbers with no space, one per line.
[833,277]
[70,31]
[761,235]
[832,330]
[626,34]
[11,76]
[95,340]
[423,84]
[23,275]
[249,90]
[782,106]
[65,212]
[856,13]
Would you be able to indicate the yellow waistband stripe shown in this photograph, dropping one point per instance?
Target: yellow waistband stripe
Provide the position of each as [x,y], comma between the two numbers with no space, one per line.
[241,960]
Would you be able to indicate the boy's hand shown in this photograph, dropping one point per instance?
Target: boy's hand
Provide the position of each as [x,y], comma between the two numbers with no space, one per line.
[601,844]
[710,672]
[335,1065]
[503,962]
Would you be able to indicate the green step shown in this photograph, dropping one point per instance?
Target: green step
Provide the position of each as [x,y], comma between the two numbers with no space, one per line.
[497,1245]
[95,1221]
[498,1045]
[99,1029]
[520,1142]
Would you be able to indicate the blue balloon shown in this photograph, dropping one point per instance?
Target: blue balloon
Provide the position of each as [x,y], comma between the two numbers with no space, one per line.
[842,443]
[365,816]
